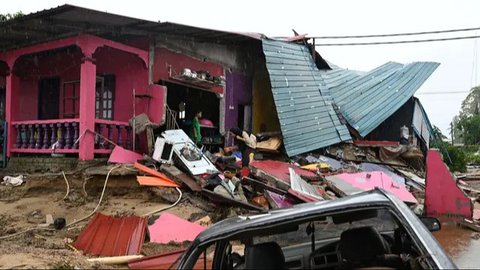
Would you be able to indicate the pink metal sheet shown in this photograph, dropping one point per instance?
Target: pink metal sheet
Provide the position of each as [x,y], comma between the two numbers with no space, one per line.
[124,156]
[170,228]
[476,214]
[443,197]
[280,201]
[279,169]
[108,236]
[370,180]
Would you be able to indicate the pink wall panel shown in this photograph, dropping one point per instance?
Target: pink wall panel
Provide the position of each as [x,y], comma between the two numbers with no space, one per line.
[28,96]
[65,66]
[129,70]
[442,195]
[156,107]
[130,73]
[166,59]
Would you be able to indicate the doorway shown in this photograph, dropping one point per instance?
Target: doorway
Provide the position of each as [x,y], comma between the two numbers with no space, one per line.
[190,100]
[48,98]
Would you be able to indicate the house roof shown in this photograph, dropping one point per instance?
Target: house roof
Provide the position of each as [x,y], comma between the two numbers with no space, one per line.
[304,105]
[68,20]
[368,99]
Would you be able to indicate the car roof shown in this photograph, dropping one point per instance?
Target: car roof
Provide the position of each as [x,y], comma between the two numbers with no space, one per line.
[228,226]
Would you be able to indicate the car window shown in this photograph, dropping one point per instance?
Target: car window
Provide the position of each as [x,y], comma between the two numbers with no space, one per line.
[326,229]
[205,260]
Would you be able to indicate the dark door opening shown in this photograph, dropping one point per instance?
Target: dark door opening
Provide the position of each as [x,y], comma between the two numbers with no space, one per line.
[191,100]
[48,98]
[194,100]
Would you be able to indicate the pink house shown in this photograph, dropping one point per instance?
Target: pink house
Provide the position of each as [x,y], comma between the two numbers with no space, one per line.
[71,74]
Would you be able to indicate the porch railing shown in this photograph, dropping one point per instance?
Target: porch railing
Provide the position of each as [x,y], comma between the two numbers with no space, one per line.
[111,132]
[41,136]
[62,136]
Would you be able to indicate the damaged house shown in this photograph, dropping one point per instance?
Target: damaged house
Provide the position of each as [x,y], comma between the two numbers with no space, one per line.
[318,107]
[73,79]
[71,87]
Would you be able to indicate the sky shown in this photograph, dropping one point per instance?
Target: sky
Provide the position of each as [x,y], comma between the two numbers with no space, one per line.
[457,71]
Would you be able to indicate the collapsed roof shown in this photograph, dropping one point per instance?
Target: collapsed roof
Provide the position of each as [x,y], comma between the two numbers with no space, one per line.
[312,103]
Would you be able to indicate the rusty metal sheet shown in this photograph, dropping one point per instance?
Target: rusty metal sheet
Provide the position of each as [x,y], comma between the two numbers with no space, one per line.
[166,260]
[108,236]
[157,261]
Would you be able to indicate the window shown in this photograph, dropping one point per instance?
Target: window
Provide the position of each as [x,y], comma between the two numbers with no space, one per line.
[71,99]
[105,96]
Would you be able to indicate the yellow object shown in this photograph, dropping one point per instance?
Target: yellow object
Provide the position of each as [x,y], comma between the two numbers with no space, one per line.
[316,166]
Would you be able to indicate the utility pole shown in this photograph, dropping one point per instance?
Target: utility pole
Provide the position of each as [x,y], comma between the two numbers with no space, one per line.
[453,130]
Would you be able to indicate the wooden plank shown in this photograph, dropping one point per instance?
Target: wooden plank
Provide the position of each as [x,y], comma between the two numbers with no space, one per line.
[220,199]
[181,177]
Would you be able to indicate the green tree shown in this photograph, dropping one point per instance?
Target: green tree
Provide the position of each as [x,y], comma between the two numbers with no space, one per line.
[458,157]
[470,126]
[438,138]
[10,16]
[470,107]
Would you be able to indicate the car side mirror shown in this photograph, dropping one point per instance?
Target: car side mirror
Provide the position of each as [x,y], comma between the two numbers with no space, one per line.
[432,224]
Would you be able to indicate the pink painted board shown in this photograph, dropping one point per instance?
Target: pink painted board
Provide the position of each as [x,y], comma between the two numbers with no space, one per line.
[443,197]
[370,180]
[170,228]
[124,156]
[476,214]
[281,201]
[279,169]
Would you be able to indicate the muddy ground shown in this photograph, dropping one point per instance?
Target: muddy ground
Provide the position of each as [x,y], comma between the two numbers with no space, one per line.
[25,207]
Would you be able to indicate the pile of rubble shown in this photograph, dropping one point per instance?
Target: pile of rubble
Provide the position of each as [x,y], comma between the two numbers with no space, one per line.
[178,167]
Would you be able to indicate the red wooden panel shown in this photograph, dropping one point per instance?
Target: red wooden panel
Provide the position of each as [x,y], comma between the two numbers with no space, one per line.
[443,197]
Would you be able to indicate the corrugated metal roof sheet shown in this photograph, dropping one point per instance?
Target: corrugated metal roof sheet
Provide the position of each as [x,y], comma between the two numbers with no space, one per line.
[368,99]
[302,99]
[109,236]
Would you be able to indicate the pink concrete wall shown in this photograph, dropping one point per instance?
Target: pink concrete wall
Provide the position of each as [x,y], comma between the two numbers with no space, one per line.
[130,73]
[65,66]
[443,197]
[166,59]
[157,103]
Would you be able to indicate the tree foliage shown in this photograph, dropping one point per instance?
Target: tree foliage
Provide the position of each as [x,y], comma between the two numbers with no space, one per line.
[470,126]
[10,16]
[458,157]
[466,125]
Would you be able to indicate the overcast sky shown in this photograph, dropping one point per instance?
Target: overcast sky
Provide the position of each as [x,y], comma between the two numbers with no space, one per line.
[335,17]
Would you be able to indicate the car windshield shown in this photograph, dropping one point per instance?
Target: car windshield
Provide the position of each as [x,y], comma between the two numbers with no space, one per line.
[331,227]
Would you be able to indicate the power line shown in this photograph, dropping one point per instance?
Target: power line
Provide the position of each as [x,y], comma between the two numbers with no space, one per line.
[395,42]
[443,93]
[400,34]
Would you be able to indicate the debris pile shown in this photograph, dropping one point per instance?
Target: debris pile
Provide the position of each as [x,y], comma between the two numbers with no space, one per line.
[179,170]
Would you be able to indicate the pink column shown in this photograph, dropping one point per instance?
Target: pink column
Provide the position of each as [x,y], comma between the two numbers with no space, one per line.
[12,85]
[88,72]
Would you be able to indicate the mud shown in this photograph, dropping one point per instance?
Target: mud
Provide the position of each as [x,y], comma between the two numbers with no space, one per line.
[25,207]
[461,244]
